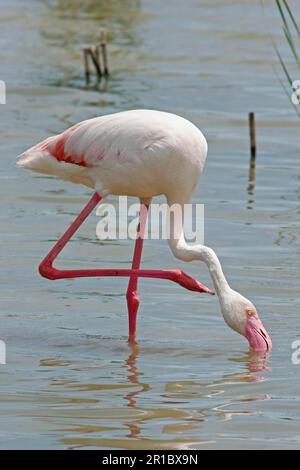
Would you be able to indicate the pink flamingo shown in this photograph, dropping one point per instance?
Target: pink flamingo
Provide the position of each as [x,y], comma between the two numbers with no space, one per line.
[141,153]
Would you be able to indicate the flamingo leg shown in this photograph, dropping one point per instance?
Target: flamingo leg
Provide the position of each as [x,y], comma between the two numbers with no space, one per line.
[46,264]
[132,296]
[48,271]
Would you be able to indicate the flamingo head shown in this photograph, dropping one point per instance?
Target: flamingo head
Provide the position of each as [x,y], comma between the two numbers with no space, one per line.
[241,315]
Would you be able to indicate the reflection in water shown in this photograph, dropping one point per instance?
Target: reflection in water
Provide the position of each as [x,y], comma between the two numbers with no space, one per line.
[255,361]
[100,83]
[226,414]
[258,361]
[133,377]
[99,424]
[251,182]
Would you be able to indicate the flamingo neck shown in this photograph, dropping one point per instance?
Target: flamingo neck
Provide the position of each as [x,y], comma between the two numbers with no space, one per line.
[208,256]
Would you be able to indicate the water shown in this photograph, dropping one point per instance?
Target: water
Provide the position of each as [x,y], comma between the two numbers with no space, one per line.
[71,381]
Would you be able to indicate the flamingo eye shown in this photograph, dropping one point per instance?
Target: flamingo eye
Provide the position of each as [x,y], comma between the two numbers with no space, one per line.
[250,311]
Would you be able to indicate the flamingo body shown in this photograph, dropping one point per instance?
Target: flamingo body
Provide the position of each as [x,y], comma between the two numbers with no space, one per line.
[141,153]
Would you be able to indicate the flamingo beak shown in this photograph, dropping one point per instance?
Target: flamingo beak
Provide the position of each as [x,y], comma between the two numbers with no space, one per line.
[256,334]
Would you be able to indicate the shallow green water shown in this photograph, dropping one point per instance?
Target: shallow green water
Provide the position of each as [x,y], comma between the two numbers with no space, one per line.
[71,381]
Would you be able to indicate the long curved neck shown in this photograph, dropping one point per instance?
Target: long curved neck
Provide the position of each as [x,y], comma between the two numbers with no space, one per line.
[206,254]
[202,253]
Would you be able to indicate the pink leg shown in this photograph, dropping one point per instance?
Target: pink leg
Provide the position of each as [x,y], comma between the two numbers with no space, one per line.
[132,296]
[48,271]
[46,265]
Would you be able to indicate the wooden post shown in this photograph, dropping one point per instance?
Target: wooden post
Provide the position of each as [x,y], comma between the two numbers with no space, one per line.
[97,55]
[94,52]
[103,46]
[252,163]
[252,135]
[86,64]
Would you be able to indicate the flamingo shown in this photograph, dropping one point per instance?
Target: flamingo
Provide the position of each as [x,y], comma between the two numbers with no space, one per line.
[141,153]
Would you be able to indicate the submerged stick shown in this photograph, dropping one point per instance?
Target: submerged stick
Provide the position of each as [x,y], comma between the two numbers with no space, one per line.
[94,52]
[97,53]
[86,63]
[103,45]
